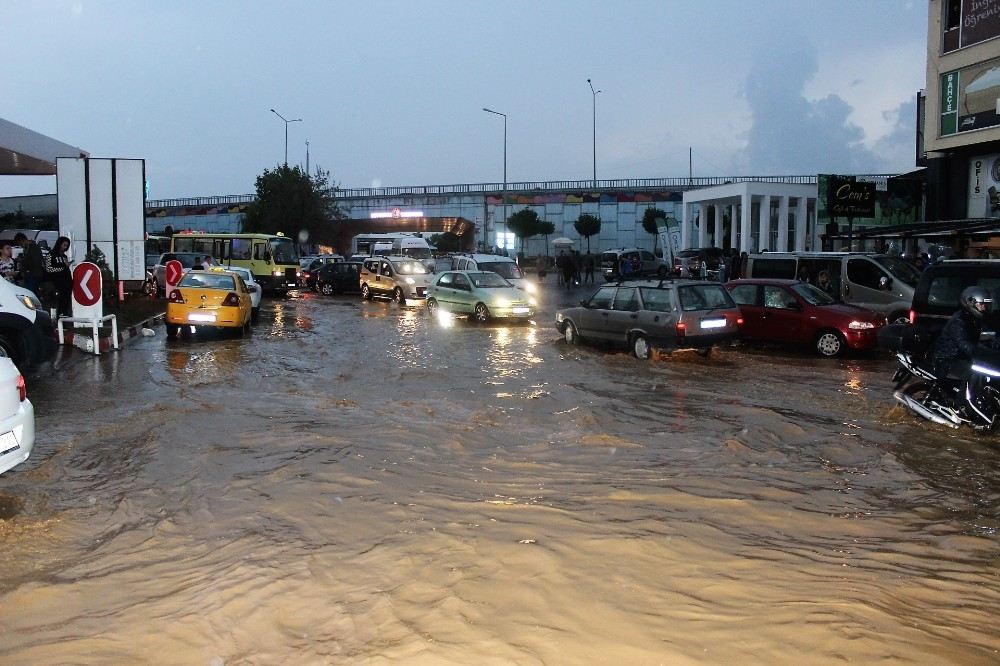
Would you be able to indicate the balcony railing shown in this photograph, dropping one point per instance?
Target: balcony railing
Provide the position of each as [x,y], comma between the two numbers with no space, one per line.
[627,184]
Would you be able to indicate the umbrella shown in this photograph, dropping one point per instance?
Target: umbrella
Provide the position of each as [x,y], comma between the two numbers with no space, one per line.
[563,241]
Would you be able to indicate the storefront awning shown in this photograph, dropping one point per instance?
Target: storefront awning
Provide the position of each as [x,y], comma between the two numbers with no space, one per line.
[24,152]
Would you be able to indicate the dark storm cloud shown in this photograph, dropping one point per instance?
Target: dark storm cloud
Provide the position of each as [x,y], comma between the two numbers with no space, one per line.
[790,134]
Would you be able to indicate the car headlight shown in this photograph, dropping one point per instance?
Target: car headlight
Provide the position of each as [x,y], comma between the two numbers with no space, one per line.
[30,302]
[532,300]
[501,302]
[860,325]
[559,316]
[530,287]
[277,272]
[410,281]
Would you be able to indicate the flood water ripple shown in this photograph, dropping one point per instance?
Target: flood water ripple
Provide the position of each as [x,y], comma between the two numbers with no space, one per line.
[360,483]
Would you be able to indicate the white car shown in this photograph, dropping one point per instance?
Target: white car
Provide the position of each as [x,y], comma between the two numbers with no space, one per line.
[505,267]
[252,286]
[17,417]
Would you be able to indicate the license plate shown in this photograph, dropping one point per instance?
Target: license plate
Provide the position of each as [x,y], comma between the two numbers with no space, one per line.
[713,323]
[201,316]
[520,310]
[8,443]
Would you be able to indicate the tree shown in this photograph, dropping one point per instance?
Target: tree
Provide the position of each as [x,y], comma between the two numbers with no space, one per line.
[524,224]
[544,229]
[446,242]
[587,225]
[649,223]
[291,201]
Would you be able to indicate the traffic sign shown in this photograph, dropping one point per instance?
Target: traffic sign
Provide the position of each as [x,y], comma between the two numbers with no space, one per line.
[87,284]
[172,273]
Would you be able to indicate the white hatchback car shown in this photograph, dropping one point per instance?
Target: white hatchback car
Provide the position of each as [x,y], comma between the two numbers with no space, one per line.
[17,417]
[252,286]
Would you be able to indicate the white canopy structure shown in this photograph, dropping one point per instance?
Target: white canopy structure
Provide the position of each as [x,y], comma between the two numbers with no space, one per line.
[24,152]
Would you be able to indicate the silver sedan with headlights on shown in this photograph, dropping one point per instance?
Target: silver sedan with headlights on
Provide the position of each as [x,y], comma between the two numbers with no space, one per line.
[479,295]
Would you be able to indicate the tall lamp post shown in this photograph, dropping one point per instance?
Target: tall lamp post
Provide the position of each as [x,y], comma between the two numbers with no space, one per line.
[294,120]
[497,113]
[594,94]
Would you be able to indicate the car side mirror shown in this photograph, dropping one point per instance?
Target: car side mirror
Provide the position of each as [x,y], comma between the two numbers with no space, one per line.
[885,283]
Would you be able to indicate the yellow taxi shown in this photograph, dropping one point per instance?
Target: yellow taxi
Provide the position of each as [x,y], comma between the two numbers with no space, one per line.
[209,299]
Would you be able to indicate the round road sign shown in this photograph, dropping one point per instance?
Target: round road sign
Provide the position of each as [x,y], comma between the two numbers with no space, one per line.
[87,283]
[172,272]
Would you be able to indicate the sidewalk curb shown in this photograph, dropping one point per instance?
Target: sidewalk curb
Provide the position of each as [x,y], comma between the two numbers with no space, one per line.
[124,334]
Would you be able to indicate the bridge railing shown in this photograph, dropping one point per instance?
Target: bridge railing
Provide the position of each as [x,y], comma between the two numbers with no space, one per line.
[528,186]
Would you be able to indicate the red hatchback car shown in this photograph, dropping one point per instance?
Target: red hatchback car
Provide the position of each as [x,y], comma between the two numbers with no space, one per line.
[790,311]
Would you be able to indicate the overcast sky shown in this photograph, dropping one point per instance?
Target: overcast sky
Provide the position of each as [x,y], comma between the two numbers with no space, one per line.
[391,93]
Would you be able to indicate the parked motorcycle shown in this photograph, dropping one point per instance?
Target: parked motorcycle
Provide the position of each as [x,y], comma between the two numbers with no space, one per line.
[972,399]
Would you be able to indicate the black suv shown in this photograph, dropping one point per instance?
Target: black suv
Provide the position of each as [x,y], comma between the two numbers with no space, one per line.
[935,300]
[936,296]
[339,278]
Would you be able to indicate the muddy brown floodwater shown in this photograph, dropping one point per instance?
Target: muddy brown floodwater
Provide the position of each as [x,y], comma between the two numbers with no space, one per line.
[358,483]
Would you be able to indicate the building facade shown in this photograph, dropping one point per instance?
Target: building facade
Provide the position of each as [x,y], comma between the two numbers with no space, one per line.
[961,110]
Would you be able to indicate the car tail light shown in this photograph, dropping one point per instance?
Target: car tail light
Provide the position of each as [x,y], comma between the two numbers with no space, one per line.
[176,297]
[22,389]
[232,300]
[913,316]
[681,328]
[739,321]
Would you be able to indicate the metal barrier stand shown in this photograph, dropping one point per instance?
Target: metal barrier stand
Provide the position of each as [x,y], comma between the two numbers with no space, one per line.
[95,324]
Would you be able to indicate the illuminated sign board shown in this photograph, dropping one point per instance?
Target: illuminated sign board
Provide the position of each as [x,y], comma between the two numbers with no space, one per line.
[397,213]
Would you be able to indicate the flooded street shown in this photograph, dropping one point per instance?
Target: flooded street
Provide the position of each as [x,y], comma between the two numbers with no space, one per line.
[358,483]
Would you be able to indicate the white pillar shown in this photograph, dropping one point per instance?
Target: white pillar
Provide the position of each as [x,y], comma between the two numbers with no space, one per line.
[717,236]
[684,225]
[702,225]
[746,209]
[733,225]
[764,228]
[801,215]
[783,224]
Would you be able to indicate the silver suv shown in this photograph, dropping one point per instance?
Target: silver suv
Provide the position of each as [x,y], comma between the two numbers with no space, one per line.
[643,314]
[399,278]
[648,264]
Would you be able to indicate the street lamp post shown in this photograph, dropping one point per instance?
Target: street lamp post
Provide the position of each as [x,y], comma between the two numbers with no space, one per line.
[497,113]
[594,94]
[294,120]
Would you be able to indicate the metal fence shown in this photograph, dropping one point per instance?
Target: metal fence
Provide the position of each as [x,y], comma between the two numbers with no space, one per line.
[628,184]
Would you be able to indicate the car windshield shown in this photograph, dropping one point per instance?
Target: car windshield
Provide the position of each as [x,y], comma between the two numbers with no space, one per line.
[507,269]
[609,257]
[488,280]
[187,260]
[410,267]
[416,252]
[207,281]
[704,297]
[283,251]
[813,295]
[899,269]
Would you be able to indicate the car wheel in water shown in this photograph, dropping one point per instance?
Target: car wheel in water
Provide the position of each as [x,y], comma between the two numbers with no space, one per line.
[482,313]
[172,330]
[326,289]
[366,293]
[13,348]
[662,272]
[432,306]
[829,343]
[398,296]
[569,333]
[640,347]
[705,352]
[899,318]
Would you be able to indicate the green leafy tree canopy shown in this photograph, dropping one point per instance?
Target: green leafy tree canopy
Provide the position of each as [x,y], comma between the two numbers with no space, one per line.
[587,225]
[524,224]
[649,219]
[291,201]
[446,242]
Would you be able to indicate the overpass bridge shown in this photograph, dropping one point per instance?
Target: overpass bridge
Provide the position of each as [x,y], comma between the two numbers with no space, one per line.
[477,209]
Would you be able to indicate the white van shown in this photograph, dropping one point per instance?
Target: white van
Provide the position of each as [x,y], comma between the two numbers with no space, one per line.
[26,332]
[505,267]
[878,282]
